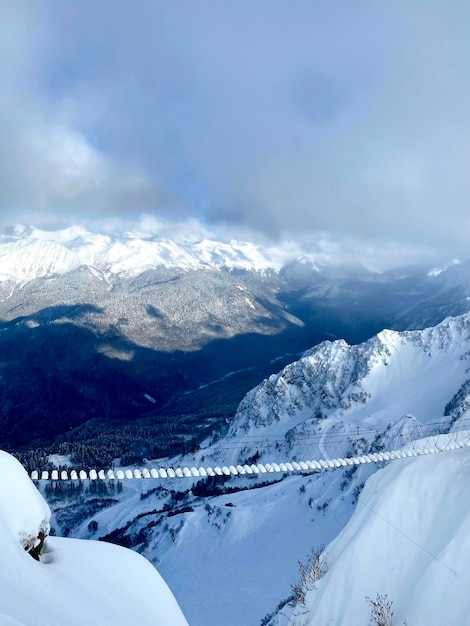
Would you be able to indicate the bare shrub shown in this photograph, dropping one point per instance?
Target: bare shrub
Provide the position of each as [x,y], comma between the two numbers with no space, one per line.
[381,613]
[311,571]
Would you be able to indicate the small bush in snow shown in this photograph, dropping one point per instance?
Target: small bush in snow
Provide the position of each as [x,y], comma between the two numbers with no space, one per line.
[381,613]
[311,571]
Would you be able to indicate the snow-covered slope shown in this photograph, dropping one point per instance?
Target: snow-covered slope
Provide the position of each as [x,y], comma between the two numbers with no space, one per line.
[370,385]
[75,582]
[408,540]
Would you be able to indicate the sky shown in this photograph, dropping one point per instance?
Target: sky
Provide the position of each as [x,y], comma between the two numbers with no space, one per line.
[346,123]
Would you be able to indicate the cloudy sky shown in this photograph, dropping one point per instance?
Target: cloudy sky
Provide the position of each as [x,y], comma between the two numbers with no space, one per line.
[343,124]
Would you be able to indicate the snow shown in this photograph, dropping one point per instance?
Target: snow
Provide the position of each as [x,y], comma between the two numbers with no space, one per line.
[435,271]
[231,565]
[408,539]
[28,513]
[76,582]
[235,564]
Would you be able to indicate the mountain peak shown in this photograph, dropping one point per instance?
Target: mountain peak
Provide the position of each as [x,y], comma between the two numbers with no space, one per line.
[363,381]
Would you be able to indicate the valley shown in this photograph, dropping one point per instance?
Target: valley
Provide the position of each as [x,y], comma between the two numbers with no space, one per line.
[117,356]
[207,366]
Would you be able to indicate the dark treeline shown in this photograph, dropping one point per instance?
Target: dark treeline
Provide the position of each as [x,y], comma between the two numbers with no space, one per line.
[129,444]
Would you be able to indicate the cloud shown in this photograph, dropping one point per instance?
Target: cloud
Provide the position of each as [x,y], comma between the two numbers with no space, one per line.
[48,164]
[279,120]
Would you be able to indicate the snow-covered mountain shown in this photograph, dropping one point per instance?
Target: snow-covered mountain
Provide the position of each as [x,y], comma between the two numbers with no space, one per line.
[69,581]
[426,369]
[94,325]
[27,253]
[229,547]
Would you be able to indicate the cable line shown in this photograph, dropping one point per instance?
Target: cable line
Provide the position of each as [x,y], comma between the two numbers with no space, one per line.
[432,444]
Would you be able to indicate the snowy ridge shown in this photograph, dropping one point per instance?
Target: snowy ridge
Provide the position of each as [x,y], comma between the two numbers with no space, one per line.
[435,271]
[334,381]
[28,253]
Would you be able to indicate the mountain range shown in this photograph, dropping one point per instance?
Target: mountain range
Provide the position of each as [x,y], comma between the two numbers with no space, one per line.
[143,346]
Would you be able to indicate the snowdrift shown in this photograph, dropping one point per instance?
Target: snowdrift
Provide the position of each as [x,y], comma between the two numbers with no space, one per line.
[75,582]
